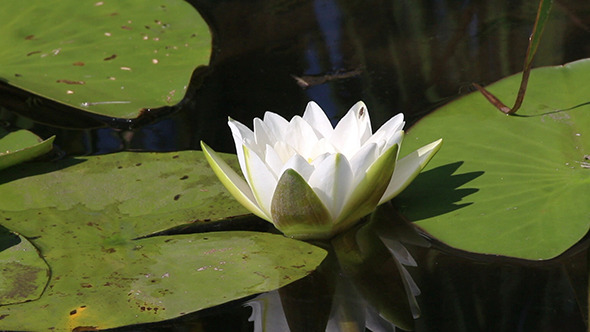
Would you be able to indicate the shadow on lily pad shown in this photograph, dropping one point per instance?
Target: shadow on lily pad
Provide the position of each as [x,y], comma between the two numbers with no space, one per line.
[37,168]
[7,238]
[435,192]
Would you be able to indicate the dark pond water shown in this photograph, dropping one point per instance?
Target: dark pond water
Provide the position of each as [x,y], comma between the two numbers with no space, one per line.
[398,56]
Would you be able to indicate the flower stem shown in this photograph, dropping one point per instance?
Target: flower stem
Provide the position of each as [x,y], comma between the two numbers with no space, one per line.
[534,39]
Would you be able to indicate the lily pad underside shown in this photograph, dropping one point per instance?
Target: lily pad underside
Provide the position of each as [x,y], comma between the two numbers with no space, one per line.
[20,146]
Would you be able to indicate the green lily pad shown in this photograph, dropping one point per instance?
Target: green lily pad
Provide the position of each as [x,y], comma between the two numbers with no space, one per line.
[112,58]
[21,145]
[157,278]
[508,185]
[154,191]
[83,215]
[23,273]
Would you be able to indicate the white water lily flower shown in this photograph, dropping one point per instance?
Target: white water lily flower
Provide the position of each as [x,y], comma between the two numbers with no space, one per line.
[312,180]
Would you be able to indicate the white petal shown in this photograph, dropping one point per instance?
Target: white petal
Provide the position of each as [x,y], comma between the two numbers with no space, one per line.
[277,125]
[396,138]
[408,168]
[284,151]
[352,130]
[364,121]
[365,196]
[394,124]
[388,129]
[273,161]
[332,181]
[317,118]
[361,161]
[298,164]
[320,158]
[261,180]
[301,136]
[262,135]
[233,182]
[240,133]
[321,147]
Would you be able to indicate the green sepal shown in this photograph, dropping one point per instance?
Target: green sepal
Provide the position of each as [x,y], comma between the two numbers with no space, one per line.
[297,211]
[232,182]
[408,168]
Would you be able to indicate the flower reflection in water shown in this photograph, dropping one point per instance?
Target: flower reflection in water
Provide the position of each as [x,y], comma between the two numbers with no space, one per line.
[364,283]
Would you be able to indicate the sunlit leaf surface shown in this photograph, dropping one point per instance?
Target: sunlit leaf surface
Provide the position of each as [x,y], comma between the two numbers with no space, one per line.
[108,57]
[21,145]
[508,185]
[83,215]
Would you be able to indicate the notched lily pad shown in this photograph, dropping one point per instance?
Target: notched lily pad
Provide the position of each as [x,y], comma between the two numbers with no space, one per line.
[113,58]
[522,184]
[84,214]
[158,278]
[20,146]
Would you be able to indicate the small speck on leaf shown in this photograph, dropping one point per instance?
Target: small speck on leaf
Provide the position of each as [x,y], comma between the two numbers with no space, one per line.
[71,82]
[110,57]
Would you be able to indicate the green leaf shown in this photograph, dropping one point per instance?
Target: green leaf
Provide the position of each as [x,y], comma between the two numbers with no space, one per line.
[83,215]
[522,183]
[113,58]
[153,191]
[157,278]
[21,145]
[24,274]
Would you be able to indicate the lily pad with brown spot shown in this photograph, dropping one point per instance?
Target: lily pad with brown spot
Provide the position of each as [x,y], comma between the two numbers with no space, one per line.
[87,217]
[112,58]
